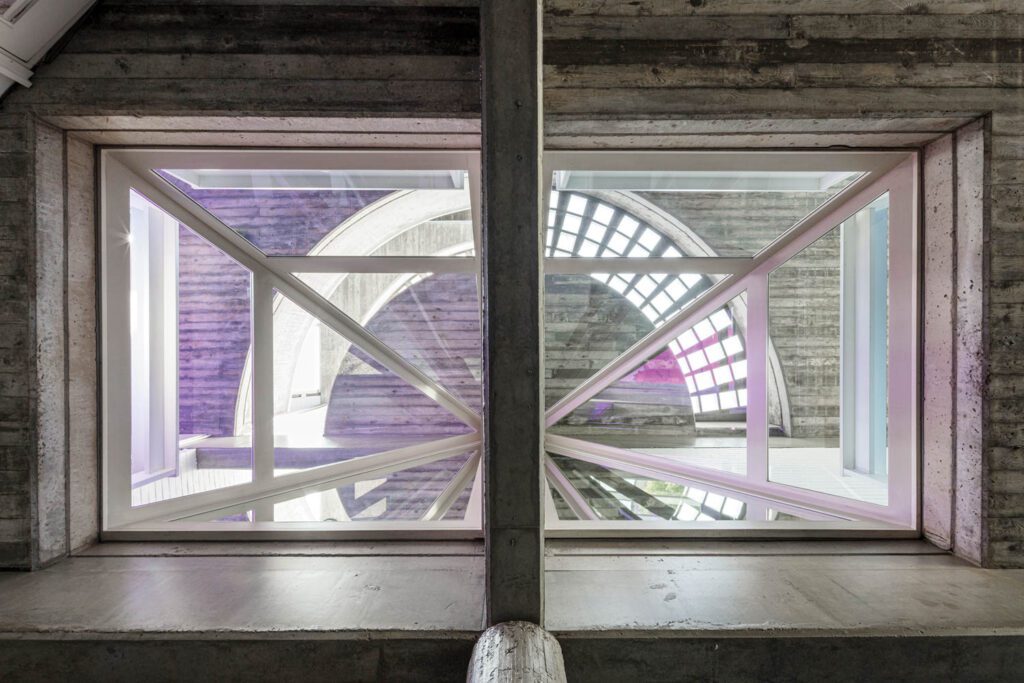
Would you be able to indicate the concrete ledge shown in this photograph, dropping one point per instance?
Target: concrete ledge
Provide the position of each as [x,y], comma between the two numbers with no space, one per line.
[177,657]
[835,658]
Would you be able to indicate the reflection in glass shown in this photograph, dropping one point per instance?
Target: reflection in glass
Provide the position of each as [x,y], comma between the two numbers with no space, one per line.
[729,213]
[339,213]
[686,402]
[621,496]
[431,320]
[333,401]
[403,496]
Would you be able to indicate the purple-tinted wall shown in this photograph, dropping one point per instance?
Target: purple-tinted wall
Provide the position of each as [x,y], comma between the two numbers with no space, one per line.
[435,324]
[214,313]
[214,327]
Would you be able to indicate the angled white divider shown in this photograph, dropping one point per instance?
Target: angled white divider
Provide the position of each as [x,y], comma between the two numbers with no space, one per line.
[193,512]
[805,504]
[239,498]
[833,212]
[892,173]
[577,503]
[240,249]
[453,490]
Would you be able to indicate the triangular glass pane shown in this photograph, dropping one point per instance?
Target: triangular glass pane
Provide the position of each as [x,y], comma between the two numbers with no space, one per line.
[297,213]
[403,496]
[591,319]
[431,320]
[191,312]
[828,313]
[616,495]
[687,402]
[651,214]
[333,401]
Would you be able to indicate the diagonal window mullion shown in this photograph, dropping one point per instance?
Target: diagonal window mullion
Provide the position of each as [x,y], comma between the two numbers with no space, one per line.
[306,297]
[443,503]
[831,213]
[570,494]
[657,467]
[244,496]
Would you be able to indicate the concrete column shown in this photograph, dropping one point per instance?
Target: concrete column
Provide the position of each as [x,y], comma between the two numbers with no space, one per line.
[513,399]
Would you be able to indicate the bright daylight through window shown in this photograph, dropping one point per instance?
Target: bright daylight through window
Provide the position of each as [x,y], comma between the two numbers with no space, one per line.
[292,341]
[730,338]
[296,339]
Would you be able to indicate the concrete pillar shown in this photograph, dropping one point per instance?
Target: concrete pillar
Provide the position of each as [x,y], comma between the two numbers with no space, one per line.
[513,398]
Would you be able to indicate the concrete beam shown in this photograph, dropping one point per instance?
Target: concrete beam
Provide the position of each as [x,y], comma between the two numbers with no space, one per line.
[513,365]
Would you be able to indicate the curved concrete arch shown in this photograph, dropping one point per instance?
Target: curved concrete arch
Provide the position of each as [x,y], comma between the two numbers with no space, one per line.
[385,222]
[388,222]
[691,244]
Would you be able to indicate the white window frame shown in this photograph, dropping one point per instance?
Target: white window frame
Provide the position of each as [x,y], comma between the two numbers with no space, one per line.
[893,172]
[122,170]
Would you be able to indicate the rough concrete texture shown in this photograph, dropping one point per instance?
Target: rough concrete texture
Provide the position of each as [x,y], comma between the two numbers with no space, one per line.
[512,125]
[50,466]
[357,658]
[83,465]
[17,447]
[938,381]
[618,74]
[246,595]
[797,659]
[516,651]
[670,612]
[788,594]
[972,335]
[652,74]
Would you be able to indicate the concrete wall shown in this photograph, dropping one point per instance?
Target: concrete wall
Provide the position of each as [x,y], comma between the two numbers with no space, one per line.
[406,66]
[656,73]
[804,306]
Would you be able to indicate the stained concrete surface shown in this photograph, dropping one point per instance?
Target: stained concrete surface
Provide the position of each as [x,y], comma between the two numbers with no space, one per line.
[657,611]
[759,594]
[868,588]
[245,595]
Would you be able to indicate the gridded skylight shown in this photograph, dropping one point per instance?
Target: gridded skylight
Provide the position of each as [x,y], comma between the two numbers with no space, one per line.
[711,353]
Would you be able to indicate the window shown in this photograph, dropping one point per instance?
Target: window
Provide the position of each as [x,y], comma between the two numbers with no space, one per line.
[730,337]
[291,342]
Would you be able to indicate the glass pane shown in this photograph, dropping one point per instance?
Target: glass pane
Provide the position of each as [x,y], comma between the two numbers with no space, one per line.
[828,323]
[591,319]
[687,402]
[431,320]
[403,496]
[333,401]
[706,213]
[338,213]
[621,496]
[191,312]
